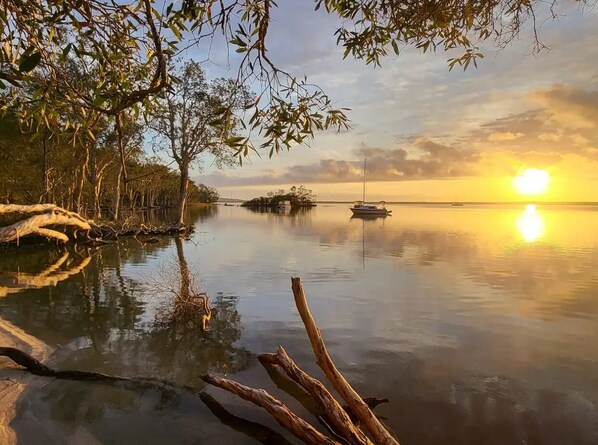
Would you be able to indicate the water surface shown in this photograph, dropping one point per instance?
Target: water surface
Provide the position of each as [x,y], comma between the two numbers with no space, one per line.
[478,323]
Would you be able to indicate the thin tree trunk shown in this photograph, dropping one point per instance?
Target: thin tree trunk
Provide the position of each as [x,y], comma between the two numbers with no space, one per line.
[97,187]
[45,178]
[81,180]
[116,195]
[183,188]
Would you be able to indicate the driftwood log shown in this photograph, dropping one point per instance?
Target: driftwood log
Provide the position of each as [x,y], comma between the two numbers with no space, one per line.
[338,418]
[55,223]
[27,220]
[338,381]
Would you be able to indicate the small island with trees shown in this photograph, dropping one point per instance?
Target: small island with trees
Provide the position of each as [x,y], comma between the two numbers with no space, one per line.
[298,197]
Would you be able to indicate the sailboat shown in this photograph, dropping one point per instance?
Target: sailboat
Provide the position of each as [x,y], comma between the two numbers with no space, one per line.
[360,208]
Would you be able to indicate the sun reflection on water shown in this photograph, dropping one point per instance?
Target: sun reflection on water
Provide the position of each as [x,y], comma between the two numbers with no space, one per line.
[530,224]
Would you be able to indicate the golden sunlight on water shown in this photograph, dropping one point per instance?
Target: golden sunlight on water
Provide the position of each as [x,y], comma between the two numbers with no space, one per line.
[530,224]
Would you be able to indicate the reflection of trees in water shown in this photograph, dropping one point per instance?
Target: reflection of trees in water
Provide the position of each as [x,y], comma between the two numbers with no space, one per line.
[201,213]
[29,269]
[182,305]
[296,215]
[103,319]
[184,354]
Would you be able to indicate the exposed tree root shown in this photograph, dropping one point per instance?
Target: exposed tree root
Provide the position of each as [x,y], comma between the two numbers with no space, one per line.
[113,231]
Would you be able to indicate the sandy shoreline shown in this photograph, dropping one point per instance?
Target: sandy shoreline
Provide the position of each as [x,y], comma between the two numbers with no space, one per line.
[13,382]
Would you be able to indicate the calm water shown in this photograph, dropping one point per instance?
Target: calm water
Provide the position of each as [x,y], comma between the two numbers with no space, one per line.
[478,323]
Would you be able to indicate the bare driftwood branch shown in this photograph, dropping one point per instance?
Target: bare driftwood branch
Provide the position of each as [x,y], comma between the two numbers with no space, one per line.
[336,415]
[373,425]
[281,413]
[35,219]
[50,221]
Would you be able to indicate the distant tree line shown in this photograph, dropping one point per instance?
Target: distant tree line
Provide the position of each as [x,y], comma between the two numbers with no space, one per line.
[297,196]
[40,168]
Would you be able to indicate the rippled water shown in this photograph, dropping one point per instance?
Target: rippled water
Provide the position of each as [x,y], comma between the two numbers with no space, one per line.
[478,323]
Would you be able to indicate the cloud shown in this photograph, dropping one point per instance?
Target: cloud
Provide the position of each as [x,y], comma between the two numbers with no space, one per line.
[503,136]
[432,161]
[569,107]
[566,123]
[565,126]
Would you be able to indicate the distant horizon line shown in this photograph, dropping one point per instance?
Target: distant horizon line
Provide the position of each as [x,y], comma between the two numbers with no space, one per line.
[329,201]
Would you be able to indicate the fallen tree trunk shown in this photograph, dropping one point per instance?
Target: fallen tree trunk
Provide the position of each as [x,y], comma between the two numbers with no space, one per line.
[35,220]
[55,223]
[36,367]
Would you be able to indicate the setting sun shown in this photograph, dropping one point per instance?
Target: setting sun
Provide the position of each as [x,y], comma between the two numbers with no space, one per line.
[532,182]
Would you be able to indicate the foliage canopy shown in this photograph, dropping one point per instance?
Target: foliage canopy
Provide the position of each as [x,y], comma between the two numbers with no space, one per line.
[125,47]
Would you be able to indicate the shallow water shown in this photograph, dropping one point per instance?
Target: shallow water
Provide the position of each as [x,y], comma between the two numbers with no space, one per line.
[478,323]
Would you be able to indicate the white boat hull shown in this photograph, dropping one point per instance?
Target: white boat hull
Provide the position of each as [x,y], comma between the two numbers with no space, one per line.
[357,211]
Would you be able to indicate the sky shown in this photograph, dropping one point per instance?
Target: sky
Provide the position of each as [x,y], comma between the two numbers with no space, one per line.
[430,134]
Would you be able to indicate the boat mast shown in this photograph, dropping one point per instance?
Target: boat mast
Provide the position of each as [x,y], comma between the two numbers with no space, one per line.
[364,165]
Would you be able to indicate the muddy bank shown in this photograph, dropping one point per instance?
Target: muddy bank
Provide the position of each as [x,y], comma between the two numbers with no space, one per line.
[14,382]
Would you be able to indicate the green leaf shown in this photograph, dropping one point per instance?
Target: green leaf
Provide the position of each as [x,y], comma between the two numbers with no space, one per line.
[98,101]
[27,63]
[234,140]
[175,31]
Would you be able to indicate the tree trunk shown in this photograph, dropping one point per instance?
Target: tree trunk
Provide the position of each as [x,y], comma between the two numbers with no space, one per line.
[81,180]
[45,178]
[116,195]
[184,186]
[97,187]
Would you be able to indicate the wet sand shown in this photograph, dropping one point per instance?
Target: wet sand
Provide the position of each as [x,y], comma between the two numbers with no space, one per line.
[13,381]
